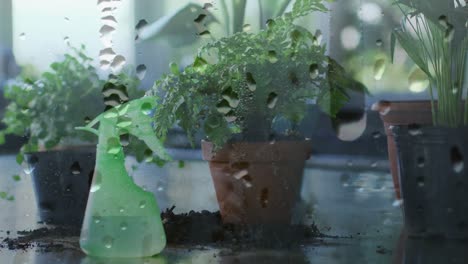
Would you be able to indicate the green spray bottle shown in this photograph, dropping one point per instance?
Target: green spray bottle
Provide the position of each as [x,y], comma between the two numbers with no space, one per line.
[122,220]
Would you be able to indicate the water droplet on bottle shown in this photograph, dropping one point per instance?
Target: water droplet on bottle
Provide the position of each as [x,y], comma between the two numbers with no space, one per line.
[111,113]
[146,108]
[121,210]
[251,81]
[379,42]
[379,69]
[96,184]
[223,107]
[141,71]
[272,100]
[22,36]
[118,63]
[113,145]
[142,204]
[418,81]
[97,219]
[67,19]
[123,226]
[108,241]
[314,70]
[272,58]
[66,40]
[75,168]
[125,139]
[124,122]
[457,159]
[246,27]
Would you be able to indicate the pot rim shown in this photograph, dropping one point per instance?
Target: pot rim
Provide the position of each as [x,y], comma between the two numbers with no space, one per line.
[248,151]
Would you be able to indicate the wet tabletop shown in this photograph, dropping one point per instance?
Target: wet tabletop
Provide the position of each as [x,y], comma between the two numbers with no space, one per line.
[355,206]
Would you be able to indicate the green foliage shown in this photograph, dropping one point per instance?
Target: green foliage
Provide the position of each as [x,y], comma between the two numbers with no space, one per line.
[439,47]
[239,85]
[178,28]
[46,109]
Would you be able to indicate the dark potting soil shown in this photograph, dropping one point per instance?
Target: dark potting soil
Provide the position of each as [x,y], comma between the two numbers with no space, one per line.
[187,229]
[43,239]
[196,228]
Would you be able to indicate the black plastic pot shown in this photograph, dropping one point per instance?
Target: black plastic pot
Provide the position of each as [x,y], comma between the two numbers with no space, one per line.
[61,181]
[433,179]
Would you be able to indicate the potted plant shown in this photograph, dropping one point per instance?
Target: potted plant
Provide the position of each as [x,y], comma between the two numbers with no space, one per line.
[238,91]
[46,110]
[427,139]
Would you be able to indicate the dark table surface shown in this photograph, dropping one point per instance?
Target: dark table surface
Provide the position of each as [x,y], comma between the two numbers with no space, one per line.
[355,204]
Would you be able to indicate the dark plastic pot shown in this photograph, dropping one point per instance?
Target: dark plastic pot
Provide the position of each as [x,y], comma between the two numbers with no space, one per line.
[434,182]
[257,183]
[61,181]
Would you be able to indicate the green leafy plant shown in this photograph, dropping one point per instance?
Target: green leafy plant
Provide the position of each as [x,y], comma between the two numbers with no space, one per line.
[180,25]
[46,109]
[435,38]
[242,85]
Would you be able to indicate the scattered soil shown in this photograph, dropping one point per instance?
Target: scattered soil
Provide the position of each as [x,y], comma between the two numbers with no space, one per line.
[188,229]
[206,228]
[43,239]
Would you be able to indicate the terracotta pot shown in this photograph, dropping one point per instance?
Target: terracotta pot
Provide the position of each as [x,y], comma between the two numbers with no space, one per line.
[257,183]
[401,113]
